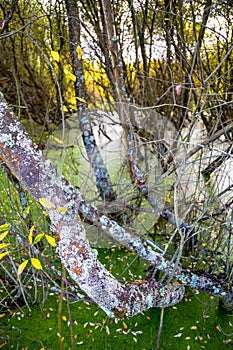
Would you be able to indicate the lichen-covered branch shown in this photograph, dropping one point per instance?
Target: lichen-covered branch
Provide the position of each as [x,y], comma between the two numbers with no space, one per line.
[42,180]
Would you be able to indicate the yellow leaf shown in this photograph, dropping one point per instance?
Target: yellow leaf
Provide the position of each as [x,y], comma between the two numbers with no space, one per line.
[79,52]
[62,210]
[30,234]
[64,109]
[69,75]
[51,240]
[38,238]
[72,100]
[4,245]
[64,318]
[27,210]
[46,203]
[124,325]
[81,99]
[4,227]
[3,235]
[22,266]
[57,139]
[3,254]
[36,263]
[55,55]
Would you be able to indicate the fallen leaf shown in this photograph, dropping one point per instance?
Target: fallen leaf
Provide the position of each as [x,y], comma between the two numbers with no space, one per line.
[178,335]
[46,203]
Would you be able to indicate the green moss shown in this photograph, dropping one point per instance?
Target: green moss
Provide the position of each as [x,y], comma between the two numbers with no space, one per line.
[196,322]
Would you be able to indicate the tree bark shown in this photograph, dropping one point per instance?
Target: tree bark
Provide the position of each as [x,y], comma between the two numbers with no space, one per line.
[48,187]
[103,181]
[42,180]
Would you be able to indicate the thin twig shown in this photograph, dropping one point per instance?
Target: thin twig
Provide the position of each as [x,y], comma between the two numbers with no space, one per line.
[160,329]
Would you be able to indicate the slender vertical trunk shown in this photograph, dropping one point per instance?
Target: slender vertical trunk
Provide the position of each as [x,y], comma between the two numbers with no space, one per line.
[103,181]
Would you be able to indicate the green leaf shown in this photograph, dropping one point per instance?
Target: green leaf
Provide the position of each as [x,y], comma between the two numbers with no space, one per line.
[4,227]
[38,238]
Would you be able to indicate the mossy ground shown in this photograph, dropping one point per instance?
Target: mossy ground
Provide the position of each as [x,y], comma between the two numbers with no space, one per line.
[196,323]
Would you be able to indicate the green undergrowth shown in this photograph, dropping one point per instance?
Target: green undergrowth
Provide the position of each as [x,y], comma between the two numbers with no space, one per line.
[60,323]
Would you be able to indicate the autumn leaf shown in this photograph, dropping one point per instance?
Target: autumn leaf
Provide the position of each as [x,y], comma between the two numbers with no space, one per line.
[36,264]
[27,210]
[46,203]
[56,139]
[3,254]
[30,234]
[79,52]
[4,245]
[55,55]
[62,210]
[81,99]
[22,266]
[3,235]
[64,109]
[51,240]
[69,75]
[178,335]
[124,325]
